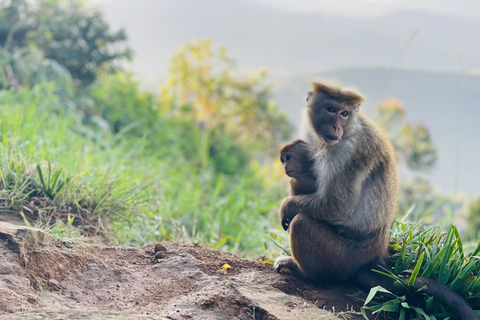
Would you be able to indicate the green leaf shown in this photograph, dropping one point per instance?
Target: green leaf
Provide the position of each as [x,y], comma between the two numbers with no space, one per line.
[364,314]
[373,292]
[416,270]
[390,308]
[422,313]
[437,260]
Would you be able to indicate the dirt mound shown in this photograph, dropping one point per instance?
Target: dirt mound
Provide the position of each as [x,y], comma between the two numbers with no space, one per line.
[184,282]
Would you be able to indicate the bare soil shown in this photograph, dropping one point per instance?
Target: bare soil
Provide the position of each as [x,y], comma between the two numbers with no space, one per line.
[186,282]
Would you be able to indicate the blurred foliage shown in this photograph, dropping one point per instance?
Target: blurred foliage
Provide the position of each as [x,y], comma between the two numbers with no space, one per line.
[118,99]
[27,67]
[201,85]
[204,114]
[474,218]
[414,148]
[165,133]
[67,31]
[420,201]
[412,143]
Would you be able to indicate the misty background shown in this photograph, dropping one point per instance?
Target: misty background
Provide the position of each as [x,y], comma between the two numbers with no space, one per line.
[425,53]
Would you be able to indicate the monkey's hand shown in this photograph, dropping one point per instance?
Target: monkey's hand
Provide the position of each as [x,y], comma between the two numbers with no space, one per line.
[287,212]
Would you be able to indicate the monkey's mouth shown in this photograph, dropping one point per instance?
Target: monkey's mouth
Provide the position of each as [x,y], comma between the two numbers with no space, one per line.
[290,172]
[330,139]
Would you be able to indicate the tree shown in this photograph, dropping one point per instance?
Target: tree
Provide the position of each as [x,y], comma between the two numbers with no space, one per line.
[412,143]
[202,85]
[69,32]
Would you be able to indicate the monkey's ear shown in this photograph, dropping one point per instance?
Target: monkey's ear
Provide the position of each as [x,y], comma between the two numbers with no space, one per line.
[356,106]
[309,95]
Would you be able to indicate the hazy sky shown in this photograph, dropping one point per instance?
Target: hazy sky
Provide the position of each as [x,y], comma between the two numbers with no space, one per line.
[375,7]
[157,28]
[369,7]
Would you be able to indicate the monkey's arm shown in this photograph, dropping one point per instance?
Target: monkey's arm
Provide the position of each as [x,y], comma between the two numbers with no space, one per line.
[325,209]
[338,203]
[303,184]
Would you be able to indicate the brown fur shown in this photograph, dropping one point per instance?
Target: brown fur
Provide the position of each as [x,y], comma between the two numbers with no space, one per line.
[298,165]
[344,224]
[338,94]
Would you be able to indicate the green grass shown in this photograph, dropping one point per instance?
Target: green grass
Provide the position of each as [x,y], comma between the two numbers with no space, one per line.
[430,253]
[53,168]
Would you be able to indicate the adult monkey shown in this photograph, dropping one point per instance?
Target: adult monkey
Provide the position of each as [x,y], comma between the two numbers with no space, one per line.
[340,232]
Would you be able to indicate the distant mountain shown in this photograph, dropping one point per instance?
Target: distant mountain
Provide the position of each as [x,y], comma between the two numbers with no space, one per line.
[447,103]
[293,43]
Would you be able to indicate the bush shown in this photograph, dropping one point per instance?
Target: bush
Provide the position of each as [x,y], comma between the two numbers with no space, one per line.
[119,101]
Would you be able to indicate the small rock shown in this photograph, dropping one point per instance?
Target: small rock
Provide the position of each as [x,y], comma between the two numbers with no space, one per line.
[13,281]
[159,247]
[6,267]
[22,238]
[53,284]
[160,255]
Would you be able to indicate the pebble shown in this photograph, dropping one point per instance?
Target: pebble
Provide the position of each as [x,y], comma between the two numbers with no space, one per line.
[54,284]
[160,255]
[159,247]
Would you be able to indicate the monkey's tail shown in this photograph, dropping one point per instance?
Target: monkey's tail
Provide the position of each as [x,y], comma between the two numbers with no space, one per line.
[367,279]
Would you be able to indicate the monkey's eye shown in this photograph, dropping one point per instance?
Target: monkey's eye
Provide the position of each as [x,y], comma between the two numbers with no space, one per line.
[344,114]
[287,158]
[331,110]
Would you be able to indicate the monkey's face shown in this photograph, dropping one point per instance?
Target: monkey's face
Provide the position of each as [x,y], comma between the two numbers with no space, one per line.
[288,159]
[294,158]
[329,118]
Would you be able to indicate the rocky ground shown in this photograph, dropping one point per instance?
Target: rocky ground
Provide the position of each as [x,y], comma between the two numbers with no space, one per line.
[41,278]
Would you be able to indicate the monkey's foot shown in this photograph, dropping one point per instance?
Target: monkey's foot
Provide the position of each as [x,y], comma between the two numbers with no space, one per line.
[286,262]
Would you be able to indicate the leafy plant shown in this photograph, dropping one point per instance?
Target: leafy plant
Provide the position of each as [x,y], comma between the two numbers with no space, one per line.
[51,182]
[430,253]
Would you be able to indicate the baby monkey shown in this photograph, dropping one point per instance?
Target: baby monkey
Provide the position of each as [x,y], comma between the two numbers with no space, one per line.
[298,166]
